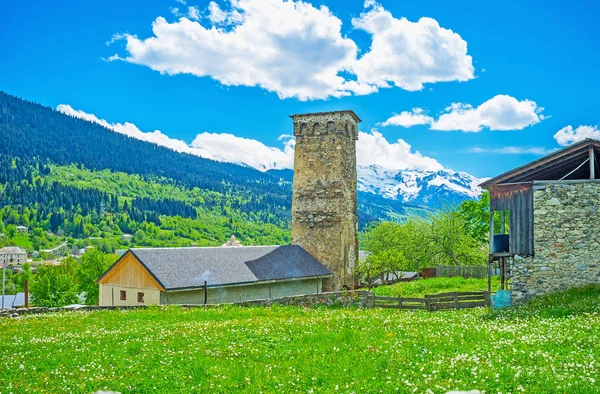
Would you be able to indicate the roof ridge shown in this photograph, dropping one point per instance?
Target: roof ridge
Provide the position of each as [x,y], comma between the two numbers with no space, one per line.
[212,247]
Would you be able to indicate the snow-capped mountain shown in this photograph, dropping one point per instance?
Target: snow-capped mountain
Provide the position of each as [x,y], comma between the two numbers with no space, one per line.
[419,187]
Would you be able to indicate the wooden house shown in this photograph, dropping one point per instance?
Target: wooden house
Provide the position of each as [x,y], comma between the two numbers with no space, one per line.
[544,231]
[159,276]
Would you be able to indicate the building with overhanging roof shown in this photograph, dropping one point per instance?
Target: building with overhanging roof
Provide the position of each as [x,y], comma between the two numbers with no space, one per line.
[210,275]
[544,231]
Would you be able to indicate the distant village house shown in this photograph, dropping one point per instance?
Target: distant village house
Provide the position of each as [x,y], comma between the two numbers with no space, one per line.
[22,229]
[12,255]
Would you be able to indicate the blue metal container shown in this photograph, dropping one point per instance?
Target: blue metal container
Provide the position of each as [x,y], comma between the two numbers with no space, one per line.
[500,243]
[501,299]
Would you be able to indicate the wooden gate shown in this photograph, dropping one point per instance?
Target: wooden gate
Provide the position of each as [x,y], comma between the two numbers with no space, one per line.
[435,302]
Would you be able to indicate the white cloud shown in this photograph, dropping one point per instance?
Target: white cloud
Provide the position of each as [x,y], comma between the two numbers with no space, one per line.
[297,50]
[174,10]
[193,13]
[373,147]
[129,129]
[567,135]
[215,14]
[409,54]
[501,112]
[513,150]
[233,149]
[409,118]
[221,147]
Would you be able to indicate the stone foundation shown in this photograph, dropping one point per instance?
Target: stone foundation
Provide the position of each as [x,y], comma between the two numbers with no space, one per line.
[566,241]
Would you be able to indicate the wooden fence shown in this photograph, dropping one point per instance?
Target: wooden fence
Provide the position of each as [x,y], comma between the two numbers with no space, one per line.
[435,302]
[466,271]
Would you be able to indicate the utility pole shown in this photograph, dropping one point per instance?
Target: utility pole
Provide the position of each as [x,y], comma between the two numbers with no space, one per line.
[3,280]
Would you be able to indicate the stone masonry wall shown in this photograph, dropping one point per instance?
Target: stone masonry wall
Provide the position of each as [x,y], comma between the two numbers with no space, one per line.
[566,241]
[324,203]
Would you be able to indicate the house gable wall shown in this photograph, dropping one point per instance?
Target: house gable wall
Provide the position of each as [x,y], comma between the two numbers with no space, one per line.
[566,241]
[130,276]
[129,272]
[111,296]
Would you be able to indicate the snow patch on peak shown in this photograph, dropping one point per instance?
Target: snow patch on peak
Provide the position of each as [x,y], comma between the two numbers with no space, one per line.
[431,188]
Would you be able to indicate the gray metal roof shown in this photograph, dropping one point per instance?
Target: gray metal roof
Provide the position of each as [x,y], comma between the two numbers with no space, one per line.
[181,268]
[13,301]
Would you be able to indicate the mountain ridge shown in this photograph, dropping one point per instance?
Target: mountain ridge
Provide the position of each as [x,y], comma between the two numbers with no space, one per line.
[31,130]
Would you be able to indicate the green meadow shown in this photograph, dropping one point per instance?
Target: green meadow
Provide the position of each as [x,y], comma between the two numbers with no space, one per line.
[550,345]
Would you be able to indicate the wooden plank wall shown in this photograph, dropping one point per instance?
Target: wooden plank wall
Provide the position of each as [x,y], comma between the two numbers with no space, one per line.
[130,273]
[518,199]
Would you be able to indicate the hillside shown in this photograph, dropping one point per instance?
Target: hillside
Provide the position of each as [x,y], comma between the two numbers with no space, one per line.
[96,208]
[77,179]
[548,346]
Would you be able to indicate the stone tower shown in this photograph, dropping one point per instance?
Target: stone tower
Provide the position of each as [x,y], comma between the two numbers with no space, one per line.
[324,202]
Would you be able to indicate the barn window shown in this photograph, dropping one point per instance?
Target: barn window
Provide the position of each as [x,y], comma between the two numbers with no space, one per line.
[123,295]
[140,297]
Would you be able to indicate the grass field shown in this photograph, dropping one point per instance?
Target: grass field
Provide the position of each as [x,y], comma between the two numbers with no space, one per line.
[418,288]
[549,346]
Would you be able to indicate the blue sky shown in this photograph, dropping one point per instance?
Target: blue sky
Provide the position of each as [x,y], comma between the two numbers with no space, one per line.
[537,54]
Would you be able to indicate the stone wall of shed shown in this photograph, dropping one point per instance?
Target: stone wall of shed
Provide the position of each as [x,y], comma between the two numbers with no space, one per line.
[566,241]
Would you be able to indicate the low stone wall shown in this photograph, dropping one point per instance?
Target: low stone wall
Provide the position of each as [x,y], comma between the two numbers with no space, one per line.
[566,241]
[344,299]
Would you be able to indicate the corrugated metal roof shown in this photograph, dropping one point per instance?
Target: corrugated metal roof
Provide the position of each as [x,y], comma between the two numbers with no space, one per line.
[550,167]
[13,301]
[179,268]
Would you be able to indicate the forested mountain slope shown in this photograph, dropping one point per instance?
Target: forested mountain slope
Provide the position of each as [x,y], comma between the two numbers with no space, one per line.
[76,179]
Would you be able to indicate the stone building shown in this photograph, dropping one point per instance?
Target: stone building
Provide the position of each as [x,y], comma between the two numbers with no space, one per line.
[324,203]
[12,255]
[553,238]
[232,243]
